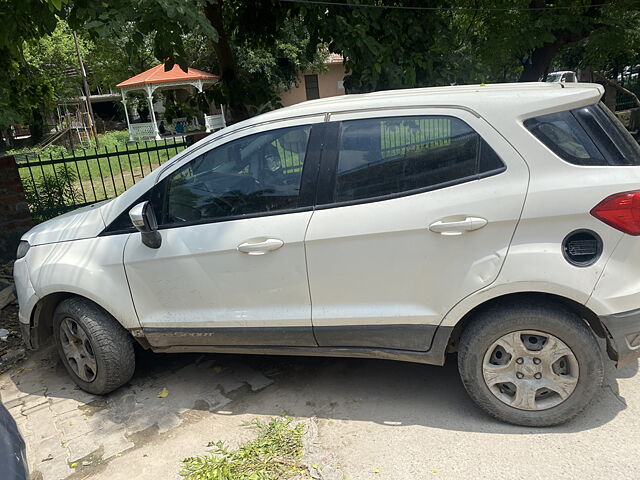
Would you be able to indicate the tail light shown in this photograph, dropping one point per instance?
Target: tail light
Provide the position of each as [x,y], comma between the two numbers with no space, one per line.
[621,211]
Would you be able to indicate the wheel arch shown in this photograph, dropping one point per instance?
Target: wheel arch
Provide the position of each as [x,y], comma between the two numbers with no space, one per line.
[41,321]
[587,315]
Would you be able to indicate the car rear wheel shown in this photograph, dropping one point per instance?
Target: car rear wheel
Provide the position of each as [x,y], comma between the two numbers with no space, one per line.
[532,365]
[95,349]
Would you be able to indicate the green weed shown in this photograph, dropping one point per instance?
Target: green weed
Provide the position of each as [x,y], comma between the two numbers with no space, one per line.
[273,455]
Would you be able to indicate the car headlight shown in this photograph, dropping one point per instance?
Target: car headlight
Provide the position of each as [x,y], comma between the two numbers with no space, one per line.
[23,248]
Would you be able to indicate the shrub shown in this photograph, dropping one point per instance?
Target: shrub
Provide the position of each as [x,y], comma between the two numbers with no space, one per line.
[52,193]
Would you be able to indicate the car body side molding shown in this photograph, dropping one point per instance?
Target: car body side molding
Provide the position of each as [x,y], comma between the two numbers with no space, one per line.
[434,356]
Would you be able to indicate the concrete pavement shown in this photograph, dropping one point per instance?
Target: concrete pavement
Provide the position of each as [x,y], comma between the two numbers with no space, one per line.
[372,419]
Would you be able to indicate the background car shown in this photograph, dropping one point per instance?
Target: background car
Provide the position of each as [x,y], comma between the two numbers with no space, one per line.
[12,448]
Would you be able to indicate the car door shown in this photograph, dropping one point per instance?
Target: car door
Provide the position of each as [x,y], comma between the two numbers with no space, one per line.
[231,268]
[416,210]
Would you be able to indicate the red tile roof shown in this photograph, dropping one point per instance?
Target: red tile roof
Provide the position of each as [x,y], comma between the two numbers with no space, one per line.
[157,75]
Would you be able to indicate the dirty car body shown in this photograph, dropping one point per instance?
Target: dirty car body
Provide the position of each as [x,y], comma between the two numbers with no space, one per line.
[389,225]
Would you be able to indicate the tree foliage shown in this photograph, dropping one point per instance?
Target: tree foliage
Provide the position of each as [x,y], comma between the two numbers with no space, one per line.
[54,59]
[609,49]
[259,47]
[384,48]
[22,91]
[231,29]
[532,35]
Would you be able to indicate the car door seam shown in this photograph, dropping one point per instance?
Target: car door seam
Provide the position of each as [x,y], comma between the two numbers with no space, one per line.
[306,265]
[126,276]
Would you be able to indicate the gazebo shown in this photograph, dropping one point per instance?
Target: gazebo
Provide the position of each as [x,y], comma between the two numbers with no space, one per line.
[156,78]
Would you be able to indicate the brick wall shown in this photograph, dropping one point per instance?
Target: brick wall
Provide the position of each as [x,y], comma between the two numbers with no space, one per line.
[15,218]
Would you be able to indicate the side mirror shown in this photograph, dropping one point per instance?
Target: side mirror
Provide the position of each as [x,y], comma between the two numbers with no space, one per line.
[144,220]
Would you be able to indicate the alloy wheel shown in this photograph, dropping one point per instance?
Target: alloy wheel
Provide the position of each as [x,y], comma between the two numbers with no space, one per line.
[78,350]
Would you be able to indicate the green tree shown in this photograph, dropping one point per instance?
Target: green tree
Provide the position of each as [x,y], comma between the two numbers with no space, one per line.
[23,22]
[522,38]
[265,71]
[55,60]
[114,59]
[225,24]
[608,50]
[384,48]
[423,43]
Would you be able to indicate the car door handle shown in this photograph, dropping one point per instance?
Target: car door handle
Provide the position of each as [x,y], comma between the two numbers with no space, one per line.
[260,246]
[457,227]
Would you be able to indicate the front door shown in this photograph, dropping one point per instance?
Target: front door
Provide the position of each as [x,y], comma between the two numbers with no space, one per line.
[231,269]
[416,211]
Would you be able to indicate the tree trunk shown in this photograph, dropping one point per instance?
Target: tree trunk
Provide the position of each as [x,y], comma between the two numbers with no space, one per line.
[618,87]
[4,134]
[227,63]
[539,62]
[37,124]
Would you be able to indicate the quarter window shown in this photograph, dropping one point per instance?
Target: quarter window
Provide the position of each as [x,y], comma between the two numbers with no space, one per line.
[385,156]
[259,173]
[586,136]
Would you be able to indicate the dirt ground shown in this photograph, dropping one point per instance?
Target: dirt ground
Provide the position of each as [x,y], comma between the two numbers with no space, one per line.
[12,350]
[365,419]
[372,419]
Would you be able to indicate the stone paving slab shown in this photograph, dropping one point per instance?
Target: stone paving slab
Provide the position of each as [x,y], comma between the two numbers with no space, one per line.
[65,428]
[372,419]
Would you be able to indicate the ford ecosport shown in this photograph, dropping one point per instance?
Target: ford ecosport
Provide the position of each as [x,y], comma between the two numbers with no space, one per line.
[500,222]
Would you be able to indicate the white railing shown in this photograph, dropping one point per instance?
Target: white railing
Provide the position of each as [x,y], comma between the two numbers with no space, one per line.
[214,122]
[142,131]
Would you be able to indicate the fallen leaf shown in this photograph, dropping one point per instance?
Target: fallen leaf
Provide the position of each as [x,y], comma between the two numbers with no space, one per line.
[163,393]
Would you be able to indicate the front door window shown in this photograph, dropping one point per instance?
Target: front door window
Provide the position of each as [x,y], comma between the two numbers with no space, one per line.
[259,173]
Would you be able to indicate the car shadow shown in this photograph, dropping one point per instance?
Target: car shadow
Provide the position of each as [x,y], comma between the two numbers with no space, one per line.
[380,391]
[400,394]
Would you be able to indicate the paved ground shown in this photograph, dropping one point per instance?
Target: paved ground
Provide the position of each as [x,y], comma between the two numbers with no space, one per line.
[374,419]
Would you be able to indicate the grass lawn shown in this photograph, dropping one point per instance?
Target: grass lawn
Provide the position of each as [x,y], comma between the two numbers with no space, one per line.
[119,166]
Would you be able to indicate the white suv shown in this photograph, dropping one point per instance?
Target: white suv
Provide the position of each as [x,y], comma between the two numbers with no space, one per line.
[497,221]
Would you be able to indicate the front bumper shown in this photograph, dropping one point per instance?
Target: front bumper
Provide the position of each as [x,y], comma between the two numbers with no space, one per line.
[25,330]
[623,343]
[27,298]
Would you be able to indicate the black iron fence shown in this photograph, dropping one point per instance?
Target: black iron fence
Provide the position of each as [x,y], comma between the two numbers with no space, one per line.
[629,79]
[56,184]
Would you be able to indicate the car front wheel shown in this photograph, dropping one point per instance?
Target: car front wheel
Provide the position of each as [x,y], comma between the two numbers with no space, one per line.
[532,365]
[95,349]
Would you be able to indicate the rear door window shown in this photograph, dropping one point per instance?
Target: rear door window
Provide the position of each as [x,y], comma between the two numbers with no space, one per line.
[386,156]
[589,135]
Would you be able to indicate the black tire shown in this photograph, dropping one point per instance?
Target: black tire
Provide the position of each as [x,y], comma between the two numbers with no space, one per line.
[111,344]
[494,322]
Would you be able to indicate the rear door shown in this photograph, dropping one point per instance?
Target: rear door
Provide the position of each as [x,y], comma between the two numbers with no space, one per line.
[416,210]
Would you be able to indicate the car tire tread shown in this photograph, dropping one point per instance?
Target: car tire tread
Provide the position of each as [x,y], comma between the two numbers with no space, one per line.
[112,344]
[493,322]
